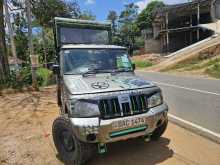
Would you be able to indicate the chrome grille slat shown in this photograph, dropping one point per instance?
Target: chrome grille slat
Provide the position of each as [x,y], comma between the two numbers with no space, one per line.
[110,108]
[138,103]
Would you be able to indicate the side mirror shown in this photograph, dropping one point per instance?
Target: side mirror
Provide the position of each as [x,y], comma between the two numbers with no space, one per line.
[56,69]
[133,66]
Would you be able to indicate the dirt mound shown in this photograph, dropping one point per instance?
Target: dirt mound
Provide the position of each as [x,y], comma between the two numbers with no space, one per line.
[154,58]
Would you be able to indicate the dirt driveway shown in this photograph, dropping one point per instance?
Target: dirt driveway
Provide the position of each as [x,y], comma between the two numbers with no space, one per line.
[25,138]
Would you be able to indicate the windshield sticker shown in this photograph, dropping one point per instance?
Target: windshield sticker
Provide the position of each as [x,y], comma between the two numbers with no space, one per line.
[132,82]
[137,82]
[124,59]
[122,83]
[123,62]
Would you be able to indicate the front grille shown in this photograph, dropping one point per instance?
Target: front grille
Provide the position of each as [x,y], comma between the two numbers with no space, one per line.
[111,108]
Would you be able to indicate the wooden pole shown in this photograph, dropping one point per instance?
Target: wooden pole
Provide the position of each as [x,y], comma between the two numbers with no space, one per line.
[10,31]
[30,45]
[4,68]
[44,48]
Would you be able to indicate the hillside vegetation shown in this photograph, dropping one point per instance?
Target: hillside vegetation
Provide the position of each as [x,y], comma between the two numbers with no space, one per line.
[201,64]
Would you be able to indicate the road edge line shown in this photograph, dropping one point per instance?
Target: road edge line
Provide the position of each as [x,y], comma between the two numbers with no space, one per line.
[186,88]
[215,137]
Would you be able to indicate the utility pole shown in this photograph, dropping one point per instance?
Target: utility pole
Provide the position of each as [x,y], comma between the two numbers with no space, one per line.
[4,68]
[30,45]
[44,49]
[10,31]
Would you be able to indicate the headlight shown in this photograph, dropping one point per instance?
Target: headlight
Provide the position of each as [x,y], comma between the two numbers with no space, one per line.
[155,100]
[84,108]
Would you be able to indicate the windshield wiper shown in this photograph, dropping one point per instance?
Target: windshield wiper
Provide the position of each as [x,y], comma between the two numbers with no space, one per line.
[91,71]
[117,70]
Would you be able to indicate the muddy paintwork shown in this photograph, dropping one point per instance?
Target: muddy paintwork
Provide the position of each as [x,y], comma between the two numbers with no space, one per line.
[77,84]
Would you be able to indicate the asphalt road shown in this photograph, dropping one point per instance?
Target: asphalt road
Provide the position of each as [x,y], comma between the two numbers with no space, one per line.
[193,99]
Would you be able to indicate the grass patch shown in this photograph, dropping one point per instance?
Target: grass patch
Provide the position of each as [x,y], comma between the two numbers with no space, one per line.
[203,65]
[210,66]
[195,63]
[142,64]
[214,70]
[189,63]
[45,76]
[183,65]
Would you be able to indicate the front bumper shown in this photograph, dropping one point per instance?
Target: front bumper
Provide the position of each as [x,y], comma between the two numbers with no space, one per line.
[95,130]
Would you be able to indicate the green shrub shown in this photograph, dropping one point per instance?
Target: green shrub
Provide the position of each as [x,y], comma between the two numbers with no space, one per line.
[45,77]
[20,79]
[17,80]
[9,81]
[142,64]
[23,78]
[214,70]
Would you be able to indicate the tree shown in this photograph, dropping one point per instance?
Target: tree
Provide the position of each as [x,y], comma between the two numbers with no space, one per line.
[40,46]
[145,18]
[45,11]
[112,16]
[10,30]
[128,28]
[4,68]
[129,15]
[87,15]
[21,41]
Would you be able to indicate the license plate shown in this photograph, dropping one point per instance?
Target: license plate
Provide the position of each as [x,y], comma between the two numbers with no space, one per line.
[127,123]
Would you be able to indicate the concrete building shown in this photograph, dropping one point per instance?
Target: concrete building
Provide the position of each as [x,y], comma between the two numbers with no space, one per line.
[178,26]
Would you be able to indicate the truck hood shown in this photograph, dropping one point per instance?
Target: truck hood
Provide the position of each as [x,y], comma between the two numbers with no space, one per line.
[100,83]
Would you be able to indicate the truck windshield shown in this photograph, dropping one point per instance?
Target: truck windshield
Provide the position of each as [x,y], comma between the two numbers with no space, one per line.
[80,61]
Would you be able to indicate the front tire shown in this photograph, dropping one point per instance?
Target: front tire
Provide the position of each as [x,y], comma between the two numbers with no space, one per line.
[159,131]
[70,149]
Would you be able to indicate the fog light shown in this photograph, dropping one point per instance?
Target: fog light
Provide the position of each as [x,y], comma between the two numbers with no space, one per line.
[91,130]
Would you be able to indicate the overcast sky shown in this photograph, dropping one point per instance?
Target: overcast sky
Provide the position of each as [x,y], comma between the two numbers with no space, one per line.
[100,8]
